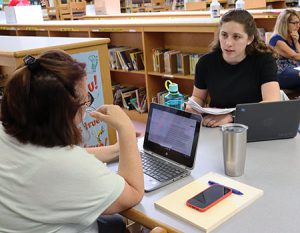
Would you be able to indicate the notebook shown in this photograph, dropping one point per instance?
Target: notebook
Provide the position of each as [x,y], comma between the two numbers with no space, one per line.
[269,120]
[175,202]
[170,143]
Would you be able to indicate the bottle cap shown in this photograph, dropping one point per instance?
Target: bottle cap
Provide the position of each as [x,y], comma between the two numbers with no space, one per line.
[173,87]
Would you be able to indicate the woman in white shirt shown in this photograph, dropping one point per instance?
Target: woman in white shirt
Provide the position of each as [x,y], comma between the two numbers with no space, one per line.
[48,183]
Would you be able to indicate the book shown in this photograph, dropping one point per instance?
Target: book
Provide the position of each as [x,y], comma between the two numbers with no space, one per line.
[185,63]
[126,97]
[170,61]
[126,57]
[158,59]
[114,57]
[140,99]
[175,203]
[118,91]
[212,111]
[136,59]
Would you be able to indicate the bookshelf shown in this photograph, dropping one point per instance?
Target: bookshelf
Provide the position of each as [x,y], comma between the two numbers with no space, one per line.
[190,34]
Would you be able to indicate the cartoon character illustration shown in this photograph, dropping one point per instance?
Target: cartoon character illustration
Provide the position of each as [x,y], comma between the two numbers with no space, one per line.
[94,61]
[98,137]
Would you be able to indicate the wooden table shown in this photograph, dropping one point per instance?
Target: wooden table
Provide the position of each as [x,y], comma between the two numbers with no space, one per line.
[273,166]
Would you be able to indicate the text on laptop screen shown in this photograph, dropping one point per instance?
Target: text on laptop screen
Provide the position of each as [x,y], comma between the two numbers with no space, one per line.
[172,134]
[172,131]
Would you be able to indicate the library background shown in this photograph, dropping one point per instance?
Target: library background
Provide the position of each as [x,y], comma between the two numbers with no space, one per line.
[151,41]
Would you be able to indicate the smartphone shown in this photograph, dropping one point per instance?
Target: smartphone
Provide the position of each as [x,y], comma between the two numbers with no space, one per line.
[209,197]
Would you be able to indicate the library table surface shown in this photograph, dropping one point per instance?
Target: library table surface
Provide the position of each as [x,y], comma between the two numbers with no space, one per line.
[273,166]
[178,14]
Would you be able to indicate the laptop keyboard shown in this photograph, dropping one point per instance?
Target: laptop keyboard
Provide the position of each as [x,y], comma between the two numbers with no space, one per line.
[159,169]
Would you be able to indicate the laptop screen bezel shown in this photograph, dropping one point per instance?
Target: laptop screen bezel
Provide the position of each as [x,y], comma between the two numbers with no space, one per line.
[175,156]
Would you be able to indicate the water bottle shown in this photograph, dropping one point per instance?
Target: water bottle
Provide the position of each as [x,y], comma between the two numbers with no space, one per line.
[215,7]
[240,4]
[173,99]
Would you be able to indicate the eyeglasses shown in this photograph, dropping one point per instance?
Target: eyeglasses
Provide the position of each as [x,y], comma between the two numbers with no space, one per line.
[88,104]
[295,23]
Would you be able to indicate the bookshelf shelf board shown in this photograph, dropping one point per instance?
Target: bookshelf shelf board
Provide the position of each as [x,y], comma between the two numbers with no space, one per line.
[131,71]
[133,114]
[177,75]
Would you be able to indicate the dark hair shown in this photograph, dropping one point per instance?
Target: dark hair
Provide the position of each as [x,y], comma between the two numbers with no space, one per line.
[40,101]
[244,18]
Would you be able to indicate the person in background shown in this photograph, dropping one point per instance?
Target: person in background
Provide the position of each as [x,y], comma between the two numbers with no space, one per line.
[240,69]
[19,3]
[48,182]
[285,40]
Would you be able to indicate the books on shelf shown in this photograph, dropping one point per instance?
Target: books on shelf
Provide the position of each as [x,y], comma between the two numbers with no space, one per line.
[137,59]
[170,61]
[183,63]
[158,59]
[174,61]
[130,98]
[125,58]
[194,57]
[126,99]
[117,93]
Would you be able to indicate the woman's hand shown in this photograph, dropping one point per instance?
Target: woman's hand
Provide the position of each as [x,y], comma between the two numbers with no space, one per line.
[114,116]
[188,108]
[217,120]
[295,36]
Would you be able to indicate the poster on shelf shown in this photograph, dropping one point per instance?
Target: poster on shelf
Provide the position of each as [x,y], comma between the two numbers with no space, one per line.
[95,133]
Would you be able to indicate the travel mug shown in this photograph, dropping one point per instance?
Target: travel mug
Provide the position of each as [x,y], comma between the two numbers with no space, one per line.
[234,148]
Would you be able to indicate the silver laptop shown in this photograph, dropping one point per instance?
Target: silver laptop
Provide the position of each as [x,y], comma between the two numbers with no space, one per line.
[170,144]
[270,120]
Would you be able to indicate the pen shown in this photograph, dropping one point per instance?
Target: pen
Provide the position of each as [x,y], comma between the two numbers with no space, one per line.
[235,191]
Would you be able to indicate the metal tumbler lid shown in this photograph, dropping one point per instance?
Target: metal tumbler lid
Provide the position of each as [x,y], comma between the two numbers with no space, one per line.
[234,128]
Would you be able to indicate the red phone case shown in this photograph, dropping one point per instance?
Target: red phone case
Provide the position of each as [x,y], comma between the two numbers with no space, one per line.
[212,204]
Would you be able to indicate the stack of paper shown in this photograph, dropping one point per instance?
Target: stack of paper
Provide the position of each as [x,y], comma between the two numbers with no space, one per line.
[213,111]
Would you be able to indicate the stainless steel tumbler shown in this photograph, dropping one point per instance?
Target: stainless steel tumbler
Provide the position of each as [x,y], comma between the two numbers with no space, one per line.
[234,148]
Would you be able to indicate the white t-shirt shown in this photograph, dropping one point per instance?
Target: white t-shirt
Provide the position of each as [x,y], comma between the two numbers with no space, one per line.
[60,189]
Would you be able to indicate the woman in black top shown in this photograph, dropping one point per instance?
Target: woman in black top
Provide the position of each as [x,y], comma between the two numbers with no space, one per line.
[240,68]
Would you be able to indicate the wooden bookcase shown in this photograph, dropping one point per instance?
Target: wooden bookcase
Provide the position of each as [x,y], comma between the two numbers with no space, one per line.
[185,33]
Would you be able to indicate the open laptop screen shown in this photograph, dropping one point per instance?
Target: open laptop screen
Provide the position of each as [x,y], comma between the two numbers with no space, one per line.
[172,133]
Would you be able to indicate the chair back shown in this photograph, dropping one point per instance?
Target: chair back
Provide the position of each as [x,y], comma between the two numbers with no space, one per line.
[77,9]
[71,9]
[52,11]
[195,6]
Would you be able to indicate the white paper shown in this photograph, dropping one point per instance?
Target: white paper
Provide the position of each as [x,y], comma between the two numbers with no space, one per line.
[212,111]
[297,68]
